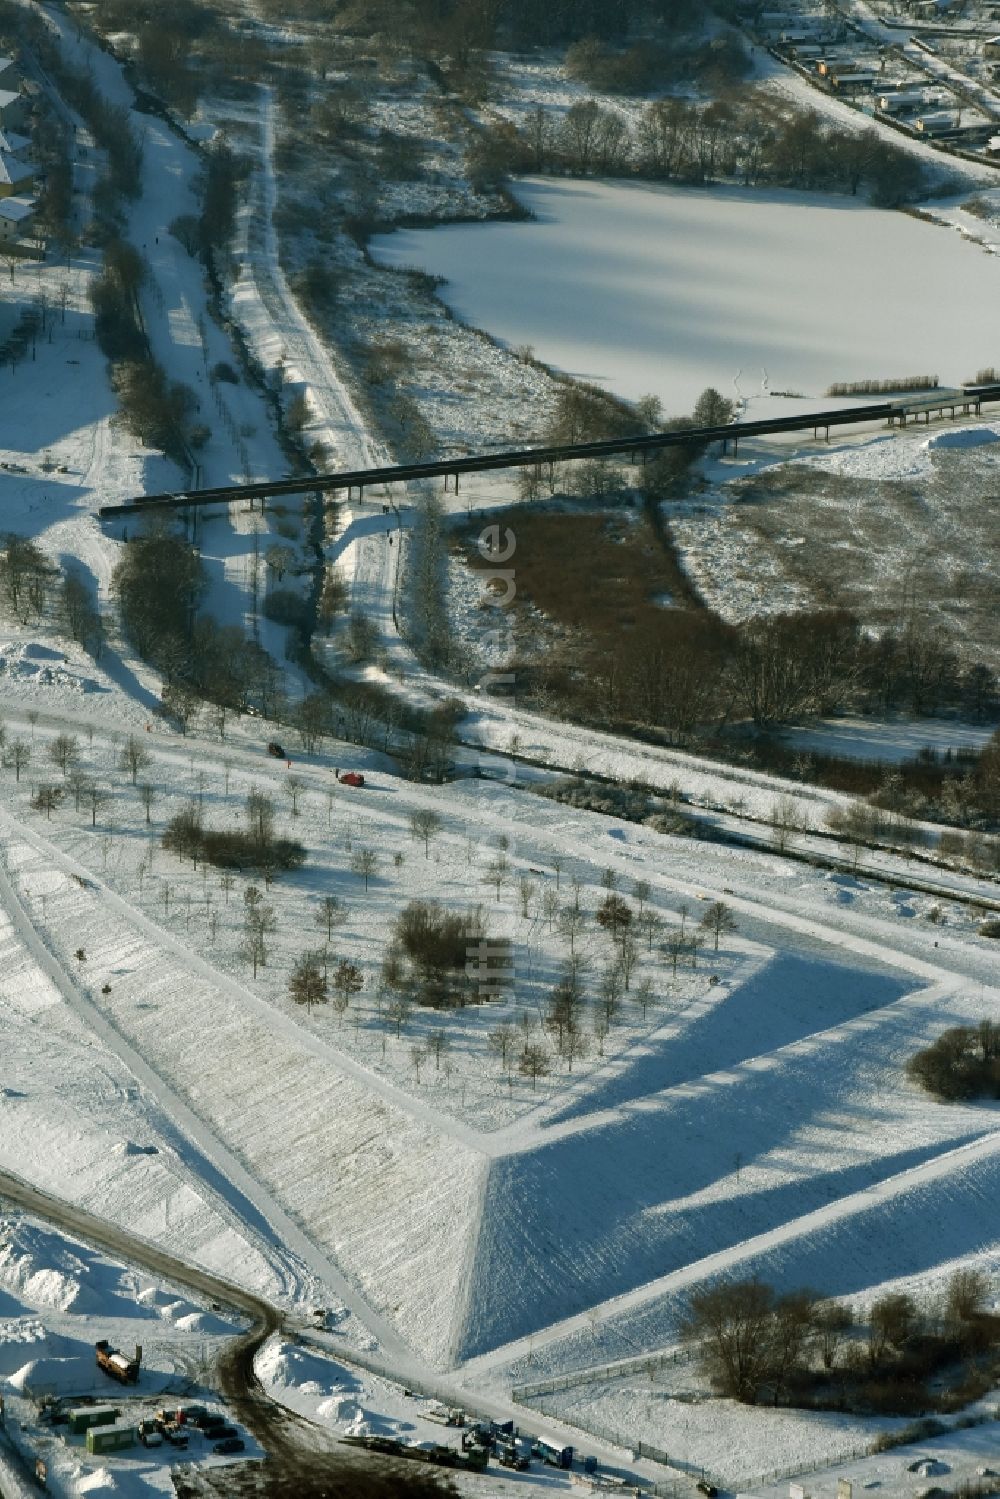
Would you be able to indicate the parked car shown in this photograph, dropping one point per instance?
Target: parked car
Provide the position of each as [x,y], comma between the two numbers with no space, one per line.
[230,1444]
[275,750]
[224,1432]
[352,778]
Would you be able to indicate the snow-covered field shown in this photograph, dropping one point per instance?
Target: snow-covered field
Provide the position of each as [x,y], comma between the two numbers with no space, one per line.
[460,1224]
[668,290]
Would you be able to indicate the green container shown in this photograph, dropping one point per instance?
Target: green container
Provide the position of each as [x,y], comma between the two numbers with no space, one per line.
[92,1415]
[110,1438]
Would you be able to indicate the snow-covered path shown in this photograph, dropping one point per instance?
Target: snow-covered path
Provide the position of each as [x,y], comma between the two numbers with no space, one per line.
[247,1197]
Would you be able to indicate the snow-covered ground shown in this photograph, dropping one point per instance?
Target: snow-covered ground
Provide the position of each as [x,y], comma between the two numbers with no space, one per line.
[458,1224]
[891,740]
[668,290]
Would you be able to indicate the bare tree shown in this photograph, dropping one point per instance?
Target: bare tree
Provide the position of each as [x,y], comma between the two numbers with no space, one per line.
[398,1011]
[615,916]
[425,824]
[649,924]
[611,987]
[96,797]
[550,905]
[628,956]
[572,920]
[347,981]
[534,1063]
[252,948]
[63,751]
[729,1326]
[501,1041]
[365,864]
[497,872]
[418,1055]
[78,780]
[331,912]
[574,1046]
[786,820]
[47,799]
[294,787]
[675,944]
[307,984]
[259,921]
[718,919]
[600,1026]
[147,795]
[437,1045]
[832,1322]
[134,757]
[645,995]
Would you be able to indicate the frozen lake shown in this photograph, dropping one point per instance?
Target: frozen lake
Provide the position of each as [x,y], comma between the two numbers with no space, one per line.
[664,289]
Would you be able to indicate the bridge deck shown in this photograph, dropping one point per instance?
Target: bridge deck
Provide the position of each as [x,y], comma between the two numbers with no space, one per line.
[361,479]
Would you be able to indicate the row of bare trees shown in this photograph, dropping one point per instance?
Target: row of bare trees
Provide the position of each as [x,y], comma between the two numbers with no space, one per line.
[801,1348]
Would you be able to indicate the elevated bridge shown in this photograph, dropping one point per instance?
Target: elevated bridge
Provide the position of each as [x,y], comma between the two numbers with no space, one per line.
[967,401]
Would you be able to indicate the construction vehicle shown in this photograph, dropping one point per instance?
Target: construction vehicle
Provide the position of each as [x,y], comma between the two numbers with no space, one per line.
[116,1364]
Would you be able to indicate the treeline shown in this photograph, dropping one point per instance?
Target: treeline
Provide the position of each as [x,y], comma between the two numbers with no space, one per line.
[744,138]
[158,411]
[33,587]
[184,47]
[649,67]
[216,671]
[803,1349]
[108,123]
[159,583]
[451,28]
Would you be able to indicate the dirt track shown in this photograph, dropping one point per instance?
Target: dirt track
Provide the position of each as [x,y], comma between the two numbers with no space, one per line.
[302,1459]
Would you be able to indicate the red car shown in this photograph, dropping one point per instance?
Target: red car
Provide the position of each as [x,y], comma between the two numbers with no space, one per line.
[352,778]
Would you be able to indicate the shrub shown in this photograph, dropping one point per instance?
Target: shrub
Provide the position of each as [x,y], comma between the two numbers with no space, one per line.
[286,607]
[431,947]
[185,836]
[964,1062]
[989,928]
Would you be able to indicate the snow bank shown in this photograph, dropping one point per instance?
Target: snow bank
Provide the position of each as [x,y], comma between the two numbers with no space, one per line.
[54,1376]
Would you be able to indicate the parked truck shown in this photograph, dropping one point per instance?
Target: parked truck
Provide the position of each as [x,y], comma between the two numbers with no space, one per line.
[116,1364]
